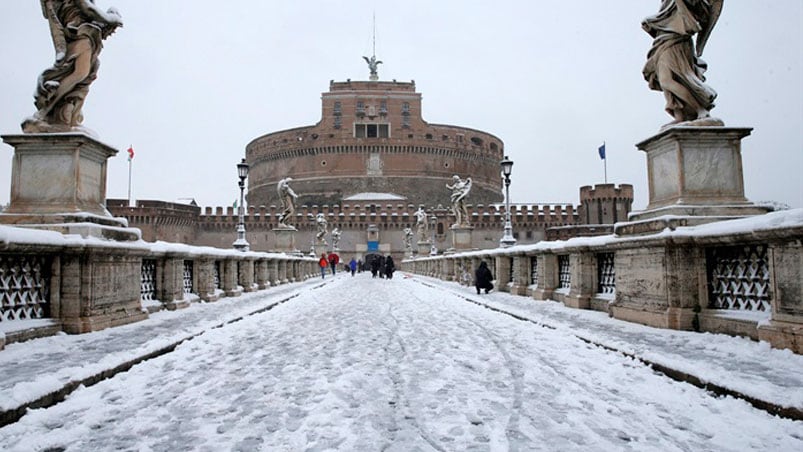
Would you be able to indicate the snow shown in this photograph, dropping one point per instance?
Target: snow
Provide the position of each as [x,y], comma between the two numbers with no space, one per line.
[371,196]
[792,218]
[413,363]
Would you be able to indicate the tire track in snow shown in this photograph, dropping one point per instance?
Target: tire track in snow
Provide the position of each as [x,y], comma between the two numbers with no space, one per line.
[404,407]
[512,430]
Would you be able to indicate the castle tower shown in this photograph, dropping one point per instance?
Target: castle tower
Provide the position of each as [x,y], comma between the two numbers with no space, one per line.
[605,203]
[372,139]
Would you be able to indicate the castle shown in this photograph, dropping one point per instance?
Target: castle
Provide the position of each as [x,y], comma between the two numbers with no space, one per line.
[370,163]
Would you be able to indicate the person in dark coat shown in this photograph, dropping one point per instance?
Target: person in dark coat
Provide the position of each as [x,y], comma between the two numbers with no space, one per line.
[483,278]
[390,267]
[352,266]
[375,264]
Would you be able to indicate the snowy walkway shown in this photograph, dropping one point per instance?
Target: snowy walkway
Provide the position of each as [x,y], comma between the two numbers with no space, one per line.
[368,364]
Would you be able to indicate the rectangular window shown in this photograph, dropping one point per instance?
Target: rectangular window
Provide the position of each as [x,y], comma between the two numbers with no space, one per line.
[371,130]
[337,108]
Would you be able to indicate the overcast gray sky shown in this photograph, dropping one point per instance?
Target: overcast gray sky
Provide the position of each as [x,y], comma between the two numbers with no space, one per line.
[190,83]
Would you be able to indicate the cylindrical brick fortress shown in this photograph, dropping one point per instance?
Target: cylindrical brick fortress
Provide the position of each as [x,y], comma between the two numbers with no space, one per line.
[372,139]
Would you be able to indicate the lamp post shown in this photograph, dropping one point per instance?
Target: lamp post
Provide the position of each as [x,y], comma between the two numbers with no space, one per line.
[507,237]
[241,244]
[432,221]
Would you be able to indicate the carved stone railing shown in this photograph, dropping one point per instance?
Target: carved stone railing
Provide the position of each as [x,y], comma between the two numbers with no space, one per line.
[741,277]
[78,285]
[24,287]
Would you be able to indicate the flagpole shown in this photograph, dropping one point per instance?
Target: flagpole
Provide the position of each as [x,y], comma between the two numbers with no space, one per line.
[129,176]
[605,162]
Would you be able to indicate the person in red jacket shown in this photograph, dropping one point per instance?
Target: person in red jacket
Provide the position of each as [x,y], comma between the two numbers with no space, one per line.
[323,263]
[334,259]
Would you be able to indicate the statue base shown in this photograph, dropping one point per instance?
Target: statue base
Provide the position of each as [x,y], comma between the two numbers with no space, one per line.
[695,177]
[319,248]
[286,240]
[461,238]
[58,182]
[424,248]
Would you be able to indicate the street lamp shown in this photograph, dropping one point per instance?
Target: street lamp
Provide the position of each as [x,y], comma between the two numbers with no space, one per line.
[507,237]
[432,220]
[241,244]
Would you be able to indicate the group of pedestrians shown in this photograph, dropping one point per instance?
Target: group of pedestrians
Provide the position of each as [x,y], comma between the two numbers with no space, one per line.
[381,265]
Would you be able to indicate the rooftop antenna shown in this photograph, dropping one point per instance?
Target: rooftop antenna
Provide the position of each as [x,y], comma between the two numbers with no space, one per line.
[373,63]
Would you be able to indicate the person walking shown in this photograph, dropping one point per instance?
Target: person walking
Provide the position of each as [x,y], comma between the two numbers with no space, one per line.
[353,266]
[323,263]
[483,278]
[334,259]
[375,264]
[390,267]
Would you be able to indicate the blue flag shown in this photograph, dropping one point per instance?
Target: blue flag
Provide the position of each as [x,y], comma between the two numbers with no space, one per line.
[602,151]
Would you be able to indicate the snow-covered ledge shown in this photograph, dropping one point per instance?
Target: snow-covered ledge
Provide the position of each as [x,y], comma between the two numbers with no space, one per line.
[662,279]
[78,284]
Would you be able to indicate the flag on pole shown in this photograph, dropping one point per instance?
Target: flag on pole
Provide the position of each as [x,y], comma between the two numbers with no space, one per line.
[235,204]
[602,151]
[130,153]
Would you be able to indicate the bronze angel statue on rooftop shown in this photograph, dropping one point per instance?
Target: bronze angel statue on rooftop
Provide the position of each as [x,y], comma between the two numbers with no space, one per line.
[78,28]
[674,66]
[373,66]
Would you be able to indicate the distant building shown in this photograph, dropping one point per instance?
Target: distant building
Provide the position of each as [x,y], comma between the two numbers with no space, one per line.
[372,138]
[368,165]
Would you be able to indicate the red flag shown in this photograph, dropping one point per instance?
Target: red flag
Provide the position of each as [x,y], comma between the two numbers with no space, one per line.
[130,153]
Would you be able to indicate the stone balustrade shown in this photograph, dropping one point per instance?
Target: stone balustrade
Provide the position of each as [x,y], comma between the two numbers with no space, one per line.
[741,277]
[52,282]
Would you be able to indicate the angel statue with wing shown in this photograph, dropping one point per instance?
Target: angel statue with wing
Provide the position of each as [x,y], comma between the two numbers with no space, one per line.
[674,66]
[460,188]
[323,228]
[288,198]
[373,66]
[78,28]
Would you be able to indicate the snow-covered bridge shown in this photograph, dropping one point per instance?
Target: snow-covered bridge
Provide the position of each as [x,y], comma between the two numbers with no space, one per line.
[412,363]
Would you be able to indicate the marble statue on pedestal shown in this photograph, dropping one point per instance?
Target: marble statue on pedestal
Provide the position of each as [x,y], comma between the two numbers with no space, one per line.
[460,189]
[674,66]
[322,224]
[422,225]
[335,239]
[78,29]
[408,240]
[288,199]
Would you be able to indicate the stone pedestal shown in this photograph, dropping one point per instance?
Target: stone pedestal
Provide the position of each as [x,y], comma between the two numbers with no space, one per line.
[286,240]
[319,248]
[58,182]
[694,176]
[100,288]
[461,238]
